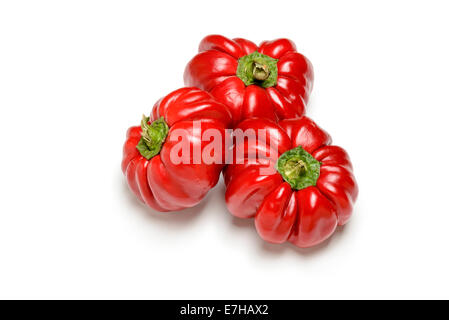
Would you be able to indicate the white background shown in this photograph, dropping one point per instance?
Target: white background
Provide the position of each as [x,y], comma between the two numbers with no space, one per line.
[74,75]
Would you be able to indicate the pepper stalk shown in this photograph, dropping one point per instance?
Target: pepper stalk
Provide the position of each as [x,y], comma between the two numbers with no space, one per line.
[153,137]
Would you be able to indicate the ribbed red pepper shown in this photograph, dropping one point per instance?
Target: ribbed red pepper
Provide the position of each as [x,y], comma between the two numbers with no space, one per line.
[309,190]
[272,80]
[150,172]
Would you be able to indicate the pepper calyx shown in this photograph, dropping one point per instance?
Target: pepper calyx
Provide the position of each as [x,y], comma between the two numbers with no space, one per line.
[259,69]
[153,137]
[299,168]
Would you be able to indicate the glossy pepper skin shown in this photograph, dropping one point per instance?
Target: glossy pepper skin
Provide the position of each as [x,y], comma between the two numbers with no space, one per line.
[304,216]
[270,81]
[156,180]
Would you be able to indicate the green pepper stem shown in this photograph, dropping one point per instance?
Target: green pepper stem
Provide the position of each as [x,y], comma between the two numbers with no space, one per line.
[259,69]
[294,168]
[299,168]
[261,72]
[152,137]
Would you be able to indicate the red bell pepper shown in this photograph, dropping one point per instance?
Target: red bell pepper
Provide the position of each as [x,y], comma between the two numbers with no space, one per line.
[152,175]
[271,81]
[309,190]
